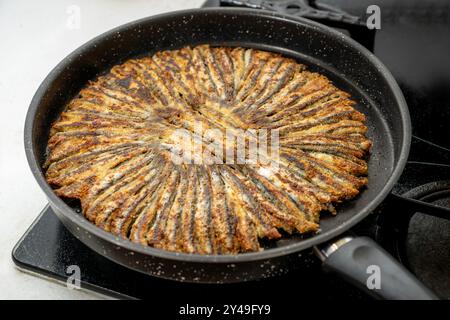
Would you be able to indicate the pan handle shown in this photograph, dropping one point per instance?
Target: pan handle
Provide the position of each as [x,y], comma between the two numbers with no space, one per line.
[364,263]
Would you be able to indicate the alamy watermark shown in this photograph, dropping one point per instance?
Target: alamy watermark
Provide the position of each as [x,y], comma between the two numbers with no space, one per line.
[213,146]
[374,280]
[74,277]
[73,21]
[374,19]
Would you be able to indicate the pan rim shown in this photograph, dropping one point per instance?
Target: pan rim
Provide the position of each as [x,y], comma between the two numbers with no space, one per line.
[83,223]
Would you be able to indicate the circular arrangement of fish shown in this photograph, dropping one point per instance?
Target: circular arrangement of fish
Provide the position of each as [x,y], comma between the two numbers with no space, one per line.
[114,146]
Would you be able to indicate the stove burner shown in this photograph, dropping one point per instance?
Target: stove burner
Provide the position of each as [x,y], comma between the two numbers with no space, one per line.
[324,13]
[429,236]
[421,241]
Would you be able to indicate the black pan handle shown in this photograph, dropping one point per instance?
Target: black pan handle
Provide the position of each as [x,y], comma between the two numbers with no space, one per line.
[364,263]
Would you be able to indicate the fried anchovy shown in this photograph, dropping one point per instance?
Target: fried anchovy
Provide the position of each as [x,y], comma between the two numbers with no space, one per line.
[113,145]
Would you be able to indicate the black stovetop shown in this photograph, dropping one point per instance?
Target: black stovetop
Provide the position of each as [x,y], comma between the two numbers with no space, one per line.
[414,43]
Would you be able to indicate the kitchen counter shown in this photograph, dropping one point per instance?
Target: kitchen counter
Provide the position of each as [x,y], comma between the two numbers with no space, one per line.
[35,37]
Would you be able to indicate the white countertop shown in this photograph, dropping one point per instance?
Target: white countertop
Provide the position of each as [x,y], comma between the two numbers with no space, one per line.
[35,36]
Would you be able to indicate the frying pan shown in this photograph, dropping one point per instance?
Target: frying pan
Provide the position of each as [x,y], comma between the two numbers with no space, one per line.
[348,64]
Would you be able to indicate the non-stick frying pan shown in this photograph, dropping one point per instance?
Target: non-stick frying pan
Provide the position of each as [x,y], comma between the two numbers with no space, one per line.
[347,63]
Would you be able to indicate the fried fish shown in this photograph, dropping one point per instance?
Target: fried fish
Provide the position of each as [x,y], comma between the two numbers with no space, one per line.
[113,148]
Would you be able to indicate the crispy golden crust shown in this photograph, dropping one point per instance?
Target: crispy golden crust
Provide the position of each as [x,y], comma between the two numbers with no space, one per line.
[111,148]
